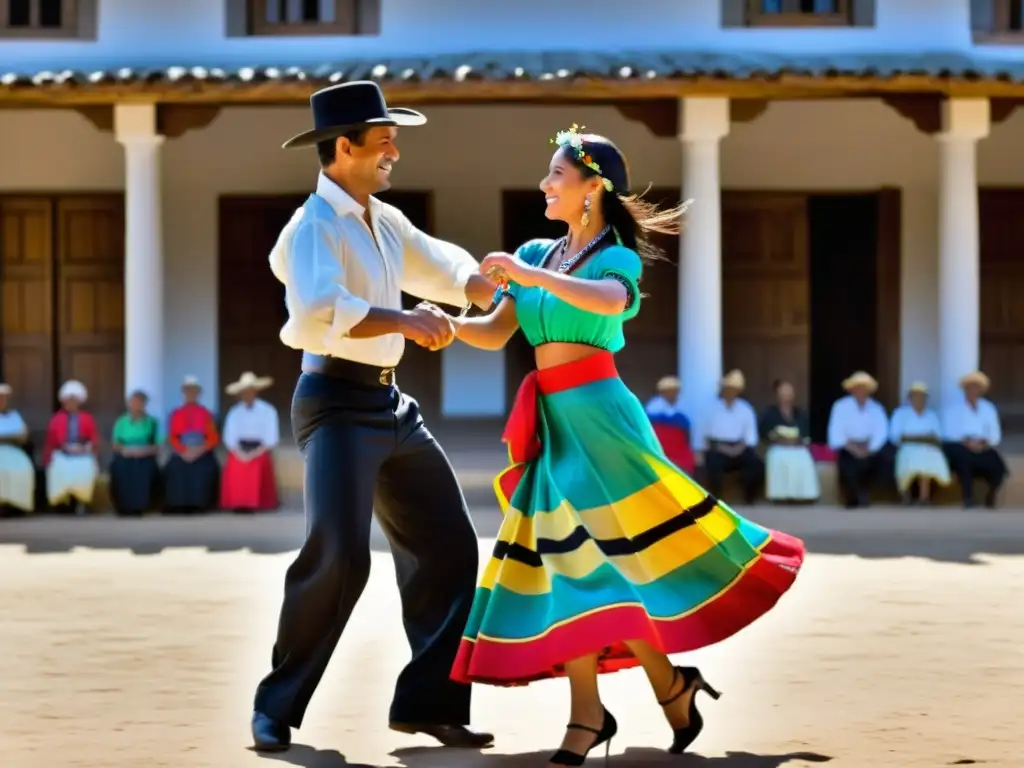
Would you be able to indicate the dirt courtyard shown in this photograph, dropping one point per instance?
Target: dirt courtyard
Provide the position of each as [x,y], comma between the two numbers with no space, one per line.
[136,644]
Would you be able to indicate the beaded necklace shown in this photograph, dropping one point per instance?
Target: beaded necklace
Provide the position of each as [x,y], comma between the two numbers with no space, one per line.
[569,263]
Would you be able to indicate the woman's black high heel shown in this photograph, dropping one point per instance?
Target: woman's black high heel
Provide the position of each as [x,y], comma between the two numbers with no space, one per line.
[604,736]
[692,679]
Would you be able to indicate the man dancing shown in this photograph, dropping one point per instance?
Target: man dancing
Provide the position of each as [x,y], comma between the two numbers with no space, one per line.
[344,260]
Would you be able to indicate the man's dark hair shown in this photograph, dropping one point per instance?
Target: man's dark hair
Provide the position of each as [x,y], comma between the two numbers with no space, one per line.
[326,148]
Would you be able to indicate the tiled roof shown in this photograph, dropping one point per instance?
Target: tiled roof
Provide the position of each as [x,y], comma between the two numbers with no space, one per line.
[543,67]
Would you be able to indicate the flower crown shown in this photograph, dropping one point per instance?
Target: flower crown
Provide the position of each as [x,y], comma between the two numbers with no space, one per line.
[572,140]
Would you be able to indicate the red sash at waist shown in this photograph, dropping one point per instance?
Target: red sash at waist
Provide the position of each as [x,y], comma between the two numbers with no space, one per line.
[521,430]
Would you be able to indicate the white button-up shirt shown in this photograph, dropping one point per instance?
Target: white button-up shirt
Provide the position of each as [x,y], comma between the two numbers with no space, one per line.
[11,424]
[256,422]
[962,422]
[335,267]
[729,424]
[849,423]
[906,422]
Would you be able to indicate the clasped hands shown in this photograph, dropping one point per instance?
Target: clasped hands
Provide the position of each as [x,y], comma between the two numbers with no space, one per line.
[431,327]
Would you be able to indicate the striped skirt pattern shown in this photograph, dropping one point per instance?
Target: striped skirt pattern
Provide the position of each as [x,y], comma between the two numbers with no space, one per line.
[604,540]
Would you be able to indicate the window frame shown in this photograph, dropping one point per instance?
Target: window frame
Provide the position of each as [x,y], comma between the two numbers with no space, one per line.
[81,27]
[351,18]
[758,19]
[997,30]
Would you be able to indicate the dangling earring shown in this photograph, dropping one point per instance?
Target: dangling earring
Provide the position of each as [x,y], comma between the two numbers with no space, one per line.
[585,219]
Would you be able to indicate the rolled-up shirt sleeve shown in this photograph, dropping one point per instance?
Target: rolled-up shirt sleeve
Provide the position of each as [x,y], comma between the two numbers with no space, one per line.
[316,281]
[433,269]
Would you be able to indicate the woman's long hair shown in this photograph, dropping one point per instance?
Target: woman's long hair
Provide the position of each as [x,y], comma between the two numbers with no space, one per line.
[633,220]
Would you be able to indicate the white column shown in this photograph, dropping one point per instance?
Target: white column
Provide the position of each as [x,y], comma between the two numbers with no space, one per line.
[136,129]
[703,123]
[965,122]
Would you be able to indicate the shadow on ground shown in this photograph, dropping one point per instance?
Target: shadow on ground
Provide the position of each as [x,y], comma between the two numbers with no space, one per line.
[303,756]
[953,536]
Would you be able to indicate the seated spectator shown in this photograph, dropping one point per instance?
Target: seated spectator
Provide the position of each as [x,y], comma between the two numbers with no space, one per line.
[192,473]
[972,434]
[134,473]
[69,453]
[17,473]
[857,431]
[251,432]
[670,424]
[914,430]
[790,469]
[729,436]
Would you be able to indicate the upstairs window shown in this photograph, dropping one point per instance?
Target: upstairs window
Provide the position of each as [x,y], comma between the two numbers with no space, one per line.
[799,13]
[313,17]
[47,18]
[998,20]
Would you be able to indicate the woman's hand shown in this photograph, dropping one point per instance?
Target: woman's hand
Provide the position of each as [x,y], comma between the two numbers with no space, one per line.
[503,267]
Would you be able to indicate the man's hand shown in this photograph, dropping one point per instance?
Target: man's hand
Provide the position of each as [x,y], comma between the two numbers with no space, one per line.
[857,449]
[480,290]
[428,325]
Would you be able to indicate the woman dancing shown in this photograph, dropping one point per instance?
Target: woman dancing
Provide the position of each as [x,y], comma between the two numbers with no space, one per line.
[609,556]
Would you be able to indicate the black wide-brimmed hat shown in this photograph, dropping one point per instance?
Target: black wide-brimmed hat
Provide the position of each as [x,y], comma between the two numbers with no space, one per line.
[340,108]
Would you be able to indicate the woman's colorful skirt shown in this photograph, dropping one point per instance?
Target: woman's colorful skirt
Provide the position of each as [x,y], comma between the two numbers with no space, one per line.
[604,540]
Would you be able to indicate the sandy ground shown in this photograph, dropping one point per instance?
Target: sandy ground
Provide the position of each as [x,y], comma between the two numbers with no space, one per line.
[136,644]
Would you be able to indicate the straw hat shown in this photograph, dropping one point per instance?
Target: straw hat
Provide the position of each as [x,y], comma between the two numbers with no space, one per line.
[976,377]
[669,382]
[919,388]
[73,388]
[860,379]
[248,380]
[734,379]
[5,389]
[191,380]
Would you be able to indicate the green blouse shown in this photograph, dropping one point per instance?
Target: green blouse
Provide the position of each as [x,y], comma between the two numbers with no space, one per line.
[136,432]
[546,318]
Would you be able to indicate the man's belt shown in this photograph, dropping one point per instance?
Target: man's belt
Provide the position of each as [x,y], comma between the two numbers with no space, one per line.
[357,373]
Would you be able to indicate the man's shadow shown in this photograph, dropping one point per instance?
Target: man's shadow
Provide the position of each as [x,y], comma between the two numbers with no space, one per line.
[432,757]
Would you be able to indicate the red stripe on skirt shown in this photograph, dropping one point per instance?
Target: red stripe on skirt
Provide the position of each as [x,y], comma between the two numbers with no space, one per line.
[754,594]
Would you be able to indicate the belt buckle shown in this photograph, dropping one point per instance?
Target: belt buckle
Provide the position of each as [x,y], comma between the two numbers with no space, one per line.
[387,377]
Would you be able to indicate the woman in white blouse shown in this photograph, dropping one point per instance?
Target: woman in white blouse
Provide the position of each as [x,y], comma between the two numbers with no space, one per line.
[17,473]
[915,431]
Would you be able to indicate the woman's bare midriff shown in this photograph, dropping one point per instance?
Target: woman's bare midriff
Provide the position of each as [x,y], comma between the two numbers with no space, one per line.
[558,353]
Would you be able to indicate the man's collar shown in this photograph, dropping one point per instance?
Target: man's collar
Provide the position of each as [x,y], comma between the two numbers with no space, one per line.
[341,201]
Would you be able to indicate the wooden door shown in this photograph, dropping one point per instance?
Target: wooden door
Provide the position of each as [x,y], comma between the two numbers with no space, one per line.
[765,290]
[250,304]
[26,274]
[63,302]
[890,276]
[1002,310]
[251,309]
[652,348]
[90,300]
